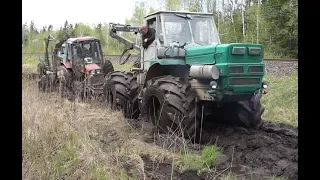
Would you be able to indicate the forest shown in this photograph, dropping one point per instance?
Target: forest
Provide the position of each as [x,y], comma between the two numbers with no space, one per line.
[273,23]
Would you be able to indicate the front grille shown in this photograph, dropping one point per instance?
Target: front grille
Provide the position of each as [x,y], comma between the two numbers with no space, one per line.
[96,79]
[255,69]
[236,70]
[244,81]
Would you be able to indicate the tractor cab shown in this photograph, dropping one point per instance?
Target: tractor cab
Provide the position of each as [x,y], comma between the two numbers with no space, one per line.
[181,30]
[83,54]
[187,29]
[85,50]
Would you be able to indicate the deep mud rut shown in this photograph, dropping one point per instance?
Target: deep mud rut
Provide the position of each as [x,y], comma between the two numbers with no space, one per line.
[271,151]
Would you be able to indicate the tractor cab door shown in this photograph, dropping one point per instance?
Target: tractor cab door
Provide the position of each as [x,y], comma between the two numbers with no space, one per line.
[150,53]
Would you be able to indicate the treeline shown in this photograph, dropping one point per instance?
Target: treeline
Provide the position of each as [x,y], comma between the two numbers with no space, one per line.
[273,23]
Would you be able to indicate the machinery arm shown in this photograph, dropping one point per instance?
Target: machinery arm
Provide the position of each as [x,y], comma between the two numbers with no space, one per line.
[113,28]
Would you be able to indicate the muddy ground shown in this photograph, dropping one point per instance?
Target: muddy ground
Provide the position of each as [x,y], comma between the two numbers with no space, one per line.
[271,151]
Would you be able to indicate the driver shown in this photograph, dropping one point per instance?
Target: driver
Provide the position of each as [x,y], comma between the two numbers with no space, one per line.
[85,50]
[148,35]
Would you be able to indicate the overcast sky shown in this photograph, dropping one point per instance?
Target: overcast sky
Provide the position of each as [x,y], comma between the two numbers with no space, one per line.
[45,12]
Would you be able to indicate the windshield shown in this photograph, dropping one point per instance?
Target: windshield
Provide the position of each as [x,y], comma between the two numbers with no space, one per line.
[88,49]
[197,30]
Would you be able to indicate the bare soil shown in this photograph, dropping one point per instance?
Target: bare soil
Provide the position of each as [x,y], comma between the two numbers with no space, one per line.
[271,151]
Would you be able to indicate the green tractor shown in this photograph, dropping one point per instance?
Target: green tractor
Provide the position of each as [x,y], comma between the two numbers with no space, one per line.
[187,74]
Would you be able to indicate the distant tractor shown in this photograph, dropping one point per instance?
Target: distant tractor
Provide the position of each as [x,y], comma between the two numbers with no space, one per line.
[77,67]
[186,74]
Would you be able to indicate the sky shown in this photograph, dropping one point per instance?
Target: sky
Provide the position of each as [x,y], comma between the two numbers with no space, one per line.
[45,12]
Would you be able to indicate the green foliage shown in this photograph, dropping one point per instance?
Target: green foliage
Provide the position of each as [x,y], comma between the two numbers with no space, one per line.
[173,5]
[209,155]
[273,23]
[199,162]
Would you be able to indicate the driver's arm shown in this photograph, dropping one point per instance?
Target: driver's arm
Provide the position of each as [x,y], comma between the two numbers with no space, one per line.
[153,35]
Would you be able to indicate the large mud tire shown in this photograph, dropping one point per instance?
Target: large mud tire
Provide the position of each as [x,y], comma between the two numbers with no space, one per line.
[107,67]
[170,104]
[121,93]
[246,114]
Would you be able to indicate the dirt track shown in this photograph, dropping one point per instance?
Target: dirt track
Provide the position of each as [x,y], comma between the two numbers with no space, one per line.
[269,152]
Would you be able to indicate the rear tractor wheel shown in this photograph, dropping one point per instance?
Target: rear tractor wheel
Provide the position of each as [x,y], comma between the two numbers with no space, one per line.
[246,114]
[170,104]
[121,93]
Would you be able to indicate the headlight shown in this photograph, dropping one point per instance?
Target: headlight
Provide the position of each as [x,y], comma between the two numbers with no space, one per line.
[92,72]
[98,71]
[238,50]
[254,51]
[265,84]
[213,84]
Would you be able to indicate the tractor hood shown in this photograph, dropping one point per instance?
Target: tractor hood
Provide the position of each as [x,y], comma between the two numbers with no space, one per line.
[90,67]
[200,54]
[225,53]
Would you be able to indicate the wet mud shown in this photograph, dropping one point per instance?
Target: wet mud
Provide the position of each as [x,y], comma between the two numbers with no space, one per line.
[271,151]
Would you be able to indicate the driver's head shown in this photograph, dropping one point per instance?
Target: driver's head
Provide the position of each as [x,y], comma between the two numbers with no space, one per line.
[143,29]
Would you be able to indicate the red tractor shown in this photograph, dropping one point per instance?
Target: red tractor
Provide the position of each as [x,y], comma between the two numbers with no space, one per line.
[77,67]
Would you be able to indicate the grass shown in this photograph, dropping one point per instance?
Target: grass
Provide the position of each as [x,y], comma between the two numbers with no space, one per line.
[29,64]
[199,161]
[65,140]
[125,67]
[281,102]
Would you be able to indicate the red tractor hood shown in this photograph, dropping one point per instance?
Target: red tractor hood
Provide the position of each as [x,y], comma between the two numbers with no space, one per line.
[90,67]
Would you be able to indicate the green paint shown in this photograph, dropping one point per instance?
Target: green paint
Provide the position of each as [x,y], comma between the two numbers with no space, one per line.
[221,56]
[201,55]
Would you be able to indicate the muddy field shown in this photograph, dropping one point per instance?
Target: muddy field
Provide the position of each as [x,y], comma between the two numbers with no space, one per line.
[271,151]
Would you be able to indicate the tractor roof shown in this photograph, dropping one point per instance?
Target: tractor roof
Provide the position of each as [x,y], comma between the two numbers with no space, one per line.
[85,38]
[180,12]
